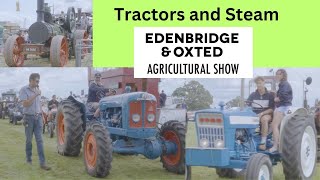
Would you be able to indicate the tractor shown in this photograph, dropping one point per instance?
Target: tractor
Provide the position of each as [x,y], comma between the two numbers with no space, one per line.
[228,140]
[7,103]
[15,113]
[127,125]
[49,38]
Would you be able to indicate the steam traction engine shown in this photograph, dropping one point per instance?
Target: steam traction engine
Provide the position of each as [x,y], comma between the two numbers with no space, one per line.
[48,39]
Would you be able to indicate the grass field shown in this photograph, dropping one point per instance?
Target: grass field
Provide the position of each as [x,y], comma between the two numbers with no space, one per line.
[13,166]
[210,173]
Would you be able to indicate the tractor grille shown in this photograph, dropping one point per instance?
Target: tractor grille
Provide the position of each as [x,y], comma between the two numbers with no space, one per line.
[211,134]
[210,127]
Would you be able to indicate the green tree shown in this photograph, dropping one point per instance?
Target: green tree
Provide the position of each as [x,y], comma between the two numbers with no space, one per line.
[235,102]
[195,95]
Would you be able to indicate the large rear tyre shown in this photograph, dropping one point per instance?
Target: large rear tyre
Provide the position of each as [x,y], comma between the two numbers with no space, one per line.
[230,173]
[299,148]
[59,51]
[13,55]
[259,167]
[69,128]
[97,150]
[175,132]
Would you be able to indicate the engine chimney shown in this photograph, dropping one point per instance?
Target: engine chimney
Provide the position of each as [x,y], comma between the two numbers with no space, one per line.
[40,11]
[79,13]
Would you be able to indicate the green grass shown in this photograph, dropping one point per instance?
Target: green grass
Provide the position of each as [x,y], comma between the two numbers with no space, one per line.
[13,166]
[210,173]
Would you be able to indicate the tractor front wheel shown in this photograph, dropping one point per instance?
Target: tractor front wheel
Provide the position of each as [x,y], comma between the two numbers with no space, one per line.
[230,173]
[69,128]
[13,55]
[175,132]
[188,173]
[299,147]
[97,150]
[259,167]
[59,51]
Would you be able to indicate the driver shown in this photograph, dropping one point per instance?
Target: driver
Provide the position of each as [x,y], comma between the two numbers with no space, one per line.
[93,98]
[52,106]
[262,103]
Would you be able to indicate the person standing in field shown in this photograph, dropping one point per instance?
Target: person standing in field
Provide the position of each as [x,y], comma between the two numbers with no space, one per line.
[30,98]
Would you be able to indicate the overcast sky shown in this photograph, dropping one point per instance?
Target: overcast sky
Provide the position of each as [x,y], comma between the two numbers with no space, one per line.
[28,9]
[227,89]
[59,81]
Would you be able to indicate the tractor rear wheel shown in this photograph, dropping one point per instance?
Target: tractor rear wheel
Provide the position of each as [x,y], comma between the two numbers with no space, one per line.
[69,128]
[51,129]
[97,150]
[59,51]
[299,147]
[259,167]
[13,51]
[175,132]
[230,173]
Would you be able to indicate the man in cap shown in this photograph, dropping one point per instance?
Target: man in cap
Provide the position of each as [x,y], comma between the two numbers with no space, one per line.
[96,92]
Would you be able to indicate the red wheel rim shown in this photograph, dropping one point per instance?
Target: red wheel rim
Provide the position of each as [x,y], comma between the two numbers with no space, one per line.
[64,52]
[172,159]
[18,57]
[90,150]
[61,129]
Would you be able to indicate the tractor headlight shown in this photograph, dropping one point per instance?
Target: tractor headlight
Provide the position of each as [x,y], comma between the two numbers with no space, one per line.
[218,143]
[151,117]
[136,118]
[204,143]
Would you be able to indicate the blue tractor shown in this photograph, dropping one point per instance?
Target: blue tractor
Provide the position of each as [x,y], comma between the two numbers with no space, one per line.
[127,125]
[228,140]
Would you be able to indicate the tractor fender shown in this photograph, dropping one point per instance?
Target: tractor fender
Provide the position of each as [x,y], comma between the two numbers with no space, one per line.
[165,115]
[290,113]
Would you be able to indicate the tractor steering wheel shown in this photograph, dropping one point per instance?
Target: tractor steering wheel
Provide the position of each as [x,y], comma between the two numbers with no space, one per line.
[101,94]
[250,102]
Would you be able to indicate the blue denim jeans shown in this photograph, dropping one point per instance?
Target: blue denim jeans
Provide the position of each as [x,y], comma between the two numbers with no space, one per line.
[34,125]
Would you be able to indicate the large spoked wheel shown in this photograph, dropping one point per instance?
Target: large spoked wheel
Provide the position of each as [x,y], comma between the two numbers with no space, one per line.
[299,147]
[13,51]
[230,173]
[97,150]
[59,51]
[175,132]
[78,35]
[69,128]
[259,167]
[71,20]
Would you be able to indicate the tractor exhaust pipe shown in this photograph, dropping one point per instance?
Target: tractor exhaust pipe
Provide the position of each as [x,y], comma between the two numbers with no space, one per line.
[40,11]
[242,95]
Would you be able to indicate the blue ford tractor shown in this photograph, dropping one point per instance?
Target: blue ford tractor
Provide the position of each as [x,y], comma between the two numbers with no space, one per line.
[127,125]
[228,140]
